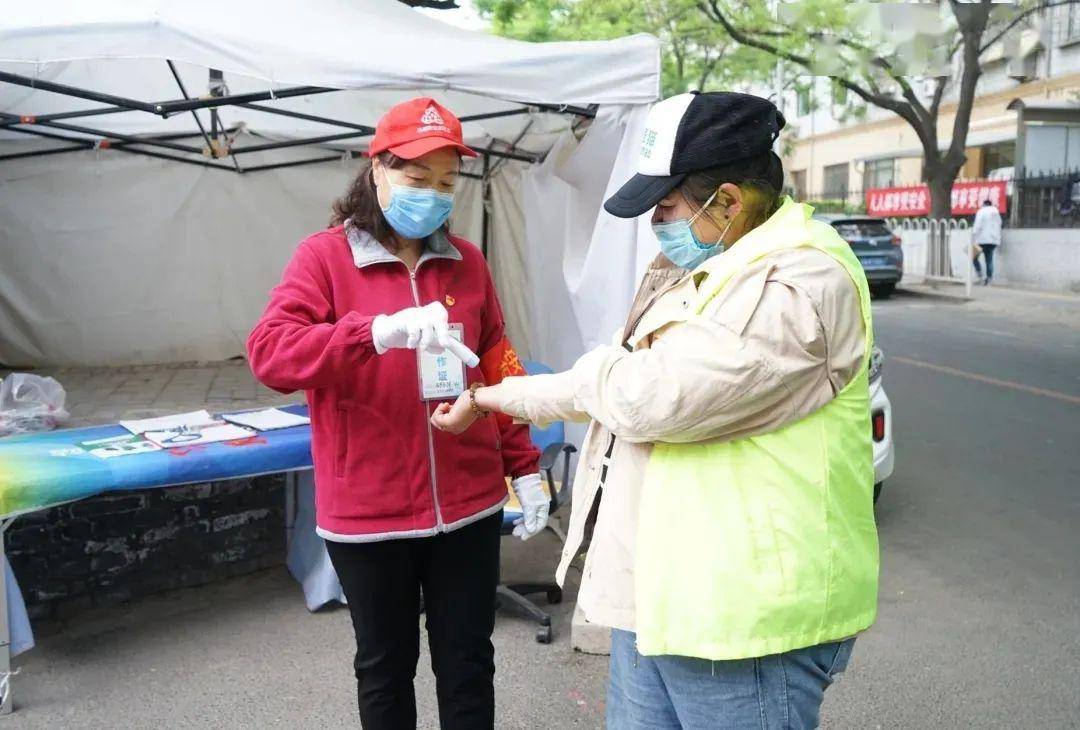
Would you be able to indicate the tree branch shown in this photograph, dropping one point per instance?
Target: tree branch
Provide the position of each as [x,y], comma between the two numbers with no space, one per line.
[927,134]
[913,99]
[706,72]
[677,52]
[1019,18]
[972,20]
[939,92]
[742,37]
[884,64]
[435,4]
[878,99]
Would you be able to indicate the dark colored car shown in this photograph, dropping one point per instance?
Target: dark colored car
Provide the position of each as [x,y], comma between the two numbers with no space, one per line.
[877,248]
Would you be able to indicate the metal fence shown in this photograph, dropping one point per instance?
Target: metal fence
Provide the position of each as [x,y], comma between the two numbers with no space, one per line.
[1046,200]
[936,250]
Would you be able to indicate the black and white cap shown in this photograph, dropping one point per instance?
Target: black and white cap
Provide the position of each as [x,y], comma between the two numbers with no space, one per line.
[696,131]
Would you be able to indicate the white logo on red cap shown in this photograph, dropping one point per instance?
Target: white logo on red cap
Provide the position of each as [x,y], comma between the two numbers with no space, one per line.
[432,116]
[432,121]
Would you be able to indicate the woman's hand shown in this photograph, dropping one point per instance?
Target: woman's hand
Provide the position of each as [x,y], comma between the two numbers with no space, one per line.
[419,328]
[456,418]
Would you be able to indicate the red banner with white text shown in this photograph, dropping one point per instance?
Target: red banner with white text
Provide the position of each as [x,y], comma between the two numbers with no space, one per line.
[914,200]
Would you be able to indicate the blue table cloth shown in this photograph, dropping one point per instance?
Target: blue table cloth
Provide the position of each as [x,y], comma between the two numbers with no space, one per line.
[40,470]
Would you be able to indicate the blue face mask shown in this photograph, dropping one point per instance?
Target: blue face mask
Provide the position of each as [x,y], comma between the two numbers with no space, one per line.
[417,212]
[679,244]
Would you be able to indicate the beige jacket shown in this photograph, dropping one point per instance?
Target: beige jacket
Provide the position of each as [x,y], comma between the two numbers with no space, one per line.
[786,337]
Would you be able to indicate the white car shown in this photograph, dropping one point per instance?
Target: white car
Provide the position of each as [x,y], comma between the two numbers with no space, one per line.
[881,423]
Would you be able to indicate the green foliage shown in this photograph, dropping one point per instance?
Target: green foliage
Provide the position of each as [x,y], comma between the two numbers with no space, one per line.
[697,53]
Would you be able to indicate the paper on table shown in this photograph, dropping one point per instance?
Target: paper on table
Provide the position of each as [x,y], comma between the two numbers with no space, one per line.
[267,419]
[176,438]
[166,423]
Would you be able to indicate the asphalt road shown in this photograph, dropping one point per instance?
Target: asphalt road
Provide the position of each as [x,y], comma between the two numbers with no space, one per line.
[980,587]
[980,592]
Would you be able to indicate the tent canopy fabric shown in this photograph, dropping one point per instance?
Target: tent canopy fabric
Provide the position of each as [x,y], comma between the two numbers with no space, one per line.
[106,258]
[377,47]
[342,44]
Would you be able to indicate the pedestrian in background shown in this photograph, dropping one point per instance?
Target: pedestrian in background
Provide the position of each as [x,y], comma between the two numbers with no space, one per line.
[986,235]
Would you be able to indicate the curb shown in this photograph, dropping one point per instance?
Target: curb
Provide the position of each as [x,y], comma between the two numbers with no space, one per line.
[929,292]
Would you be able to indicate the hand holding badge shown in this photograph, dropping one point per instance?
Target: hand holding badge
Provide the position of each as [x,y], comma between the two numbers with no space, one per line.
[420,328]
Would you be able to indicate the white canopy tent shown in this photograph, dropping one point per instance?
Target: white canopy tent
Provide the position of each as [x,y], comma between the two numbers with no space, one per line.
[160,161]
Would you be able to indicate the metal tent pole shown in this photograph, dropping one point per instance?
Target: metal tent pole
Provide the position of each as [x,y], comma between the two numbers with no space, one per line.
[485,200]
[122,147]
[519,156]
[195,114]
[5,627]
[167,108]
[84,113]
[120,101]
[43,153]
[293,163]
[308,117]
[299,142]
[129,138]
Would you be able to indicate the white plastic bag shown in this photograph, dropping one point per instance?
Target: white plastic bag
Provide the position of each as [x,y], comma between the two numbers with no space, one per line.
[30,403]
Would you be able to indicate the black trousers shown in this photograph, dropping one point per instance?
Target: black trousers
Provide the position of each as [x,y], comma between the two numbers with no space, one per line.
[458,572]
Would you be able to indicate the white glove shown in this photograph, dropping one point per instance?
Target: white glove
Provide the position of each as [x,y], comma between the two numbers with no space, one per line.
[419,328]
[534,506]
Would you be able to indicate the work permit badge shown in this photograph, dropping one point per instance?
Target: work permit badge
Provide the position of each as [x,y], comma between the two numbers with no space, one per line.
[442,377]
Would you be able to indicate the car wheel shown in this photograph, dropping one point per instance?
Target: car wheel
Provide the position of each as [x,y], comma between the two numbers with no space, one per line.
[877,491]
[883,291]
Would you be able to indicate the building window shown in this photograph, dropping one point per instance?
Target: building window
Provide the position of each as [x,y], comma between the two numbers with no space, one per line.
[836,181]
[879,173]
[798,184]
[802,99]
[997,156]
[1072,26]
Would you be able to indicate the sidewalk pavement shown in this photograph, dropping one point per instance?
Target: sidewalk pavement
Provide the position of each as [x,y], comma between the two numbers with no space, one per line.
[245,653]
[1027,305]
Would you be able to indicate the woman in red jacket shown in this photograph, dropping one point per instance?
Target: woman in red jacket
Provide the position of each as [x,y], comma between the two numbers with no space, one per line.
[377,319]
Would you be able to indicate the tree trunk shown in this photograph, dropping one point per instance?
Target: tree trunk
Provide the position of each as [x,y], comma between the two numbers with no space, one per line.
[940,178]
[940,196]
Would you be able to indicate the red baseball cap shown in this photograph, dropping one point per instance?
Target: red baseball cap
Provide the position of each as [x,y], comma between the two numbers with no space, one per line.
[416,127]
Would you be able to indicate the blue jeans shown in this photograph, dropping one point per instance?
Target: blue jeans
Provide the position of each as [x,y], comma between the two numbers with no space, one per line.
[988,254]
[767,693]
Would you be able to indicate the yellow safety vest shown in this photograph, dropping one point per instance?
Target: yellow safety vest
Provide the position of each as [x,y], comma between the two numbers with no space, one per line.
[765,544]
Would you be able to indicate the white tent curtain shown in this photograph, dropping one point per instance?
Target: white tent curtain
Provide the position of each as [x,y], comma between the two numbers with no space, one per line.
[109,259]
[582,266]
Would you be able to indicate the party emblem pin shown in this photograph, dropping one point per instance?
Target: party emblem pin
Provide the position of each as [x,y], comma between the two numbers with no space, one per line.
[450,300]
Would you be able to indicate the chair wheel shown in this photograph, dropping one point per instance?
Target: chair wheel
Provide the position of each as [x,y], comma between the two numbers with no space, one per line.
[554,596]
[543,635]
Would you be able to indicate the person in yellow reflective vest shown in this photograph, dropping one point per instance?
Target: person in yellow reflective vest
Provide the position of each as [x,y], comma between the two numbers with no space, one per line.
[735,553]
